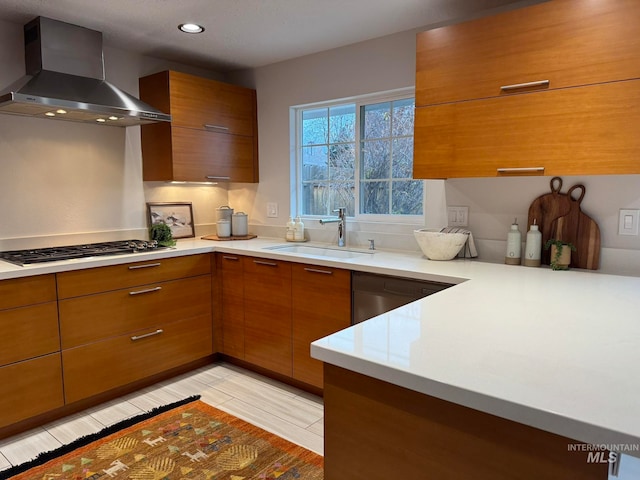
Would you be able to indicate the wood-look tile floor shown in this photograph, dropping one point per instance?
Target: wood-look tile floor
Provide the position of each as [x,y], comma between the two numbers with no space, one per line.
[276,407]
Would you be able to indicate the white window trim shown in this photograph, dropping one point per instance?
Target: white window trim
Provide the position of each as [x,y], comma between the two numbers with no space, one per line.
[296,186]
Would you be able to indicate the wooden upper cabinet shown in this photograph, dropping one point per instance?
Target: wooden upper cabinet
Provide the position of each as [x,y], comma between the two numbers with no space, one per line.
[212,135]
[520,134]
[565,42]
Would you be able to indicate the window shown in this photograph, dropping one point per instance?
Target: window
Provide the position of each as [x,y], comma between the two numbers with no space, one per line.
[357,155]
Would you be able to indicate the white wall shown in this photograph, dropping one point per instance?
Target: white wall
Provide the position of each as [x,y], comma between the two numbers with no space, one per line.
[63,181]
[389,63]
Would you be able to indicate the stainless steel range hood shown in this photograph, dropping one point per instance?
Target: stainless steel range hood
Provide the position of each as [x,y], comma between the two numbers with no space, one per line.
[65,80]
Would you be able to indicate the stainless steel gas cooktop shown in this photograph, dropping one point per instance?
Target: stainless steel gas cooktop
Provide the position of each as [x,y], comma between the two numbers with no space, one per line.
[53,254]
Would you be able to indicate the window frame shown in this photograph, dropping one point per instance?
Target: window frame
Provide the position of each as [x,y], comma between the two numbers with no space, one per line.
[296,161]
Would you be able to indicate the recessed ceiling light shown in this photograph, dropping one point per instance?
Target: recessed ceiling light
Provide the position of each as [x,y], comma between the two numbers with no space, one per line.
[50,114]
[61,111]
[113,117]
[100,120]
[191,28]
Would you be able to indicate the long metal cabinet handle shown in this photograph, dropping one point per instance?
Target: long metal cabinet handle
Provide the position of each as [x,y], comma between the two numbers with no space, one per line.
[148,290]
[518,86]
[268,264]
[146,335]
[216,127]
[316,270]
[146,265]
[214,177]
[228,257]
[521,170]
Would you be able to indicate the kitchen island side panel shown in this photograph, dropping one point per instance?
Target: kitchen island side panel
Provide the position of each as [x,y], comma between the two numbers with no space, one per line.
[376,430]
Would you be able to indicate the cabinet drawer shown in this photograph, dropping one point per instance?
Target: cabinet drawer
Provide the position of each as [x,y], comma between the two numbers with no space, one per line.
[200,156]
[568,42]
[102,366]
[19,292]
[95,317]
[30,388]
[574,131]
[28,332]
[102,279]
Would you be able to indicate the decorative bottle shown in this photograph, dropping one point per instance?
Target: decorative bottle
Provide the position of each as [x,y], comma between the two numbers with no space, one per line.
[514,245]
[290,235]
[298,229]
[533,248]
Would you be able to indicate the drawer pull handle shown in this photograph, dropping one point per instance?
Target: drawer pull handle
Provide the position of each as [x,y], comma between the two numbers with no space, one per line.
[214,177]
[148,290]
[521,170]
[146,335]
[317,270]
[216,127]
[518,86]
[228,257]
[146,265]
[268,264]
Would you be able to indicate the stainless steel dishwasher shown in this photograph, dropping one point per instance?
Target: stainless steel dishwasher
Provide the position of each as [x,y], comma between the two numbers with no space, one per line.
[374,294]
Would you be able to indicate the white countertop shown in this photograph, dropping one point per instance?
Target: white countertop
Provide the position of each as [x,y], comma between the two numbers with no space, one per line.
[559,351]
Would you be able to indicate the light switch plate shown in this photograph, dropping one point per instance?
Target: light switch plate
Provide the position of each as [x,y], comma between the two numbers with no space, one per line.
[628,222]
[458,216]
[272,209]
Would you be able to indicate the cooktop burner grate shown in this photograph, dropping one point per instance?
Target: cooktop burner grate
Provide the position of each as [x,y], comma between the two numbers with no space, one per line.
[54,254]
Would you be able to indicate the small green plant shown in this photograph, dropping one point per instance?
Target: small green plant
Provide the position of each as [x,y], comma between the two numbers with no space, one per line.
[559,246]
[162,233]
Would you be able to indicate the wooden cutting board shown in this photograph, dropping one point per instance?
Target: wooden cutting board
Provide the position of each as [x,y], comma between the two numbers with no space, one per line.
[581,230]
[545,209]
[232,237]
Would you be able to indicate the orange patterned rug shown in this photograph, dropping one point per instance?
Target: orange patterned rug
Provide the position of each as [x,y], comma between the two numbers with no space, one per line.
[190,441]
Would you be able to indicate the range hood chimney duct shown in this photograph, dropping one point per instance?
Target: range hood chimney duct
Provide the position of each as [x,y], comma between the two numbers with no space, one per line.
[65,80]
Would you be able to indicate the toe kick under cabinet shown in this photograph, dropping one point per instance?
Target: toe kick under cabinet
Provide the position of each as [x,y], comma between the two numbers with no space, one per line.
[123,323]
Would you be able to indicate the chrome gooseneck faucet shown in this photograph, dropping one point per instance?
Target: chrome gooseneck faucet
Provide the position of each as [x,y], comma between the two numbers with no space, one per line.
[341,220]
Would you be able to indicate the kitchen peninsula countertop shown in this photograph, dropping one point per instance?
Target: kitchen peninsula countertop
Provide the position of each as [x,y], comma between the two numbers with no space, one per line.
[559,351]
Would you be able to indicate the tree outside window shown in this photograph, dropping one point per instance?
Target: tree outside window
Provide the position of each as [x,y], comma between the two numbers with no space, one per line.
[330,142]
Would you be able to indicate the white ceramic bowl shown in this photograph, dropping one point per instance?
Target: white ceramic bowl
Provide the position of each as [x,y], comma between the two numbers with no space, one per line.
[439,246]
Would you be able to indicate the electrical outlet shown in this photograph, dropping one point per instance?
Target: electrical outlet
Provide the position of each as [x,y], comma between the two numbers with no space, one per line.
[272,209]
[628,222]
[458,216]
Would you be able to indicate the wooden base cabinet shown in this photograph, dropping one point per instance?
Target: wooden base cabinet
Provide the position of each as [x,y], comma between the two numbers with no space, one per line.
[127,322]
[267,314]
[230,269]
[376,430]
[29,388]
[272,311]
[113,362]
[30,367]
[321,306]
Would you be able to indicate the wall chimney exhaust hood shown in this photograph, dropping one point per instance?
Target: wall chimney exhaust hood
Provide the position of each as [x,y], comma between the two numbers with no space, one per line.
[65,80]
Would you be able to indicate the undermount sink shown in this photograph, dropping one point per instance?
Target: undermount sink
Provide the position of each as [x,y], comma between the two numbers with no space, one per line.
[320,251]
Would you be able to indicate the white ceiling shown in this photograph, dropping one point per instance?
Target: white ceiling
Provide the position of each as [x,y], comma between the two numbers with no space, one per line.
[242,33]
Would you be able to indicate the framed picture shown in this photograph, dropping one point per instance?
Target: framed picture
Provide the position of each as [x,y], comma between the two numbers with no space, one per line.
[179,217]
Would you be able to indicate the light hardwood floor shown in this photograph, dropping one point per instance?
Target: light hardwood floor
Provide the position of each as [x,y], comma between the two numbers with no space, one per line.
[281,409]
